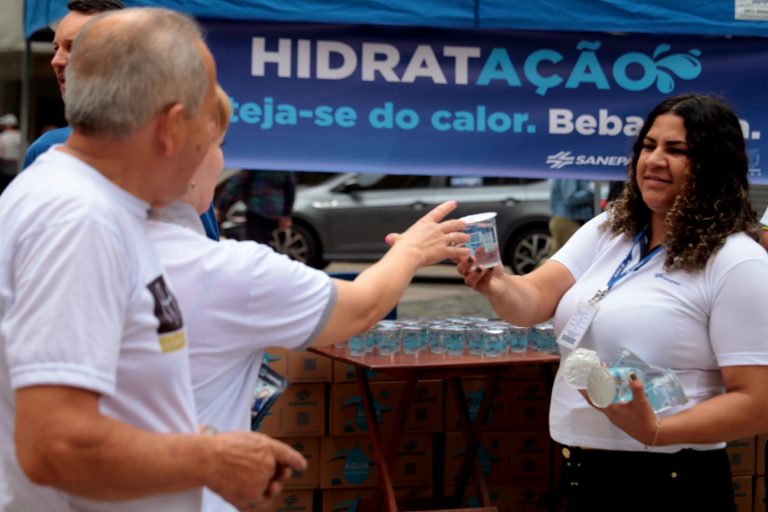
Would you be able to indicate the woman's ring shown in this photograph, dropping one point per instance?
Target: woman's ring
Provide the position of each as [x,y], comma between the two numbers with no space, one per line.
[450,238]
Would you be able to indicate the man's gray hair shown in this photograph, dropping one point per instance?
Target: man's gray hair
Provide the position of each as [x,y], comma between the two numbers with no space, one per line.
[128,66]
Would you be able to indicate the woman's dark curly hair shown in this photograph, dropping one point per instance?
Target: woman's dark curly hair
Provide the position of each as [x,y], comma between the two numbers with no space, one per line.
[713,203]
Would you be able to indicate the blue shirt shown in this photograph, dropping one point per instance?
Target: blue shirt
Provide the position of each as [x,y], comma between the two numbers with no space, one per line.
[571,198]
[60,136]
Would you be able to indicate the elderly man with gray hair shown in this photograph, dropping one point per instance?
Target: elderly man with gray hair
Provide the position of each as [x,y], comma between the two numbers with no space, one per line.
[96,406]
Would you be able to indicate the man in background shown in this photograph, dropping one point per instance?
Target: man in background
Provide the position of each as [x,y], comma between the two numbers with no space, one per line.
[570,202]
[80,12]
[268,197]
[10,144]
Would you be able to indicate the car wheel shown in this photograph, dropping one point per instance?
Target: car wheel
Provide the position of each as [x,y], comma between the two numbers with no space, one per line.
[527,249]
[299,244]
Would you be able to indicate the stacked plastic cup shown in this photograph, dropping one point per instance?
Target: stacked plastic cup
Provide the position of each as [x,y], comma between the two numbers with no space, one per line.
[541,337]
[435,337]
[357,344]
[494,340]
[387,338]
[476,339]
[518,338]
[454,339]
[413,338]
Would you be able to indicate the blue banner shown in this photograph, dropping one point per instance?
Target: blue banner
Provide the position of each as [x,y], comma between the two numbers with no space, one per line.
[462,102]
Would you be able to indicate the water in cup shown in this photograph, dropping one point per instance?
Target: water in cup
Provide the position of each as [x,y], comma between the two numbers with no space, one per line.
[387,338]
[495,341]
[518,338]
[435,338]
[454,339]
[483,242]
[413,338]
[356,344]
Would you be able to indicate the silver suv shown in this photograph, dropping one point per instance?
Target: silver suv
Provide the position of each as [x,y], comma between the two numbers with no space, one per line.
[347,216]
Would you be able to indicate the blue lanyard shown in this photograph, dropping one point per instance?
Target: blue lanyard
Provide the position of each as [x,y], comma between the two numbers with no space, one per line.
[624,269]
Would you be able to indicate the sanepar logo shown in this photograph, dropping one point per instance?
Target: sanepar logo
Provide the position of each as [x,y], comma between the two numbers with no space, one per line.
[565,158]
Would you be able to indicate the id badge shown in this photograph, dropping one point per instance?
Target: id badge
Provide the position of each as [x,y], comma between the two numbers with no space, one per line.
[578,324]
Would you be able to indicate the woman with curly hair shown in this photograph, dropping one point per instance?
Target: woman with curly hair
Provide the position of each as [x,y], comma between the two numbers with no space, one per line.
[673,273]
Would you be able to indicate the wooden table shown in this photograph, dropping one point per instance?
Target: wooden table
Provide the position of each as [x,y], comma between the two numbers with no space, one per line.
[415,367]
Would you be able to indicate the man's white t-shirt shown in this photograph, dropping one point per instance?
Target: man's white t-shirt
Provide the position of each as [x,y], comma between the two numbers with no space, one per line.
[693,323]
[237,299]
[84,303]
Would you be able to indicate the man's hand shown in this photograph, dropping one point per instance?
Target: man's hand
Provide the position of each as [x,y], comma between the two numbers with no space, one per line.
[249,468]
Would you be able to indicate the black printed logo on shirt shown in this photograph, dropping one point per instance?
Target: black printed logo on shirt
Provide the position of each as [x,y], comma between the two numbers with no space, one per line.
[166,308]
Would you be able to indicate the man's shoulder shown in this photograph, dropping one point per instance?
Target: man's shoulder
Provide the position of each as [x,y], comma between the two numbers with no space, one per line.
[44,142]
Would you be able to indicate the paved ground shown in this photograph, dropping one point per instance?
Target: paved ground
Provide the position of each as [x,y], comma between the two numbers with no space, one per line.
[436,291]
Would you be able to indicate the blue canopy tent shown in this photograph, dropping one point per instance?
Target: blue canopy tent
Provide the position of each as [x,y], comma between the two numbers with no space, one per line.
[701,17]
[489,87]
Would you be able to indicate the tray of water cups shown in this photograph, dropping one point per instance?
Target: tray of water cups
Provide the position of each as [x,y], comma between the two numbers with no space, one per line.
[451,336]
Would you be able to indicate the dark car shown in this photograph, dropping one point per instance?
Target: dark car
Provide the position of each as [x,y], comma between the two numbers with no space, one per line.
[347,216]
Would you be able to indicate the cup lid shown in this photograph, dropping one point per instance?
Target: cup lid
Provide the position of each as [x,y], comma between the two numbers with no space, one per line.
[479,217]
[601,387]
[577,366]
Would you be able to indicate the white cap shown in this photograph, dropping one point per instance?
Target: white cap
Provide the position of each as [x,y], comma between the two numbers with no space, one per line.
[9,120]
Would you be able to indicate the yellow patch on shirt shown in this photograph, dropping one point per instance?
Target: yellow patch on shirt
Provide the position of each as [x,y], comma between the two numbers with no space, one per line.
[173,341]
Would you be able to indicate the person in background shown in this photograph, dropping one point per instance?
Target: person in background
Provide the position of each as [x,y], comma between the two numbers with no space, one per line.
[672,272]
[268,300]
[570,203]
[10,145]
[96,403]
[80,11]
[268,197]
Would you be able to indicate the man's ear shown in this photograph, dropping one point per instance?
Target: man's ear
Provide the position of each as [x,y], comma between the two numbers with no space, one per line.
[171,128]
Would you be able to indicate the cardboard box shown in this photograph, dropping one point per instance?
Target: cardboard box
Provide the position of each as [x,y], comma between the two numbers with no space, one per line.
[759,494]
[300,411]
[343,372]
[518,497]
[277,358]
[760,443]
[348,414]
[498,415]
[529,455]
[345,500]
[349,462]
[742,493]
[307,366]
[528,403]
[504,457]
[492,456]
[742,455]
[309,447]
[295,501]
[413,462]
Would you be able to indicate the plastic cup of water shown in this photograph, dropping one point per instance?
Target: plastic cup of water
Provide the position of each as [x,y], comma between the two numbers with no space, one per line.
[413,338]
[454,339]
[356,344]
[494,341]
[483,242]
[475,341]
[435,338]
[541,337]
[387,338]
[518,339]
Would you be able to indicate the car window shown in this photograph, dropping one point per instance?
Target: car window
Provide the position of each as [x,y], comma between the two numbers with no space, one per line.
[397,181]
[487,181]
